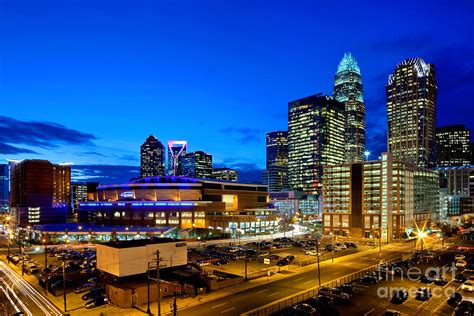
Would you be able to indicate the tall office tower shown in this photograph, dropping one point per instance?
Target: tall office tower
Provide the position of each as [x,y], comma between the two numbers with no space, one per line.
[197,165]
[453,146]
[152,158]
[276,174]
[4,192]
[348,90]
[40,192]
[225,174]
[176,149]
[411,112]
[316,127]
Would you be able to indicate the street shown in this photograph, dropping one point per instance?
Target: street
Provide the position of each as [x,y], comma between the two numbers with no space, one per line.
[23,296]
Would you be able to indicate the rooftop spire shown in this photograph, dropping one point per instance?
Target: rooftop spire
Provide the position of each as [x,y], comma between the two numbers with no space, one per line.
[348,63]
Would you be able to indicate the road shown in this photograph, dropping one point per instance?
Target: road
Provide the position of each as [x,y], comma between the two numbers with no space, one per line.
[238,303]
[23,296]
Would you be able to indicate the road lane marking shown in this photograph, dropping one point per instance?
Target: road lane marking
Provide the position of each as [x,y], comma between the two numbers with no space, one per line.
[307,282]
[269,295]
[299,279]
[227,310]
[262,291]
[369,312]
[219,305]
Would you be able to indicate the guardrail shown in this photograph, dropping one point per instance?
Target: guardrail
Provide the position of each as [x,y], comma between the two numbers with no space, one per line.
[302,296]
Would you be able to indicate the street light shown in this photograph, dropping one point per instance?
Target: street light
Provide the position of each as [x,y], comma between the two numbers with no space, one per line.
[421,235]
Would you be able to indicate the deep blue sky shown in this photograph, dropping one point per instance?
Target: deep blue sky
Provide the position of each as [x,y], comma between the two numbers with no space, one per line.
[97,77]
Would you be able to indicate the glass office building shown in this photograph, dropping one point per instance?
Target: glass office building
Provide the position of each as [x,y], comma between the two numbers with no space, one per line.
[453,146]
[152,158]
[316,127]
[411,112]
[348,89]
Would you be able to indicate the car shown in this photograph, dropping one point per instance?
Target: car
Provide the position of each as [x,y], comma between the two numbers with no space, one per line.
[274,257]
[321,301]
[370,243]
[313,253]
[465,308]
[84,288]
[423,293]
[461,264]
[459,257]
[328,247]
[425,279]
[391,312]
[93,280]
[304,309]
[369,279]
[428,255]
[467,286]
[32,269]
[282,263]
[98,301]
[454,299]
[460,278]
[93,293]
[350,244]
[399,296]
[440,281]
[346,288]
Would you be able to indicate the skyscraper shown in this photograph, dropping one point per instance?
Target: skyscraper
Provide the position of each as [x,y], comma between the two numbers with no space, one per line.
[348,90]
[4,192]
[315,139]
[276,174]
[197,165]
[225,174]
[176,149]
[152,158]
[411,112]
[453,146]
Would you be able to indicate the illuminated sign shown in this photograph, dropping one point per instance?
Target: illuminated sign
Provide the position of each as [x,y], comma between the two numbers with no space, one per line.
[127,195]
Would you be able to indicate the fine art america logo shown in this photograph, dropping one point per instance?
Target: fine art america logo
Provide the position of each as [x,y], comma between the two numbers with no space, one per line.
[415,274]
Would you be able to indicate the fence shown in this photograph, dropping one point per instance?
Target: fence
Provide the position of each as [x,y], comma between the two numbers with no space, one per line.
[324,257]
[300,297]
[261,273]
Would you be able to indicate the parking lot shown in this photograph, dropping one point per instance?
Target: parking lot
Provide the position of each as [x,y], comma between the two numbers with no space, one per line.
[79,269]
[231,259]
[371,296]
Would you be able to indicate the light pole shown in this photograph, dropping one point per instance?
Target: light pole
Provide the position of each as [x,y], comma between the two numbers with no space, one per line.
[79,235]
[319,268]
[332,246]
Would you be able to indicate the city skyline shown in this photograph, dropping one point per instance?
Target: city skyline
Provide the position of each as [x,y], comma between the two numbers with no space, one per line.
[80,111]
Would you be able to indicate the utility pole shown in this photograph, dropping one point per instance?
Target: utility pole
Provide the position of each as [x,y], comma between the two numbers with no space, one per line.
[64,285]
[175,306]
[319,269]
[245,265]
[148,281]
[158,280]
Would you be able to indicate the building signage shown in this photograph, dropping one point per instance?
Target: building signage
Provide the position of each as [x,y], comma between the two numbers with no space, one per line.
[127,194]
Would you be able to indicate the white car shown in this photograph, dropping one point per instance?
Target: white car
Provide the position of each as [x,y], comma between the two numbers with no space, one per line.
[459,257]
[467,286]
[313,253]
[461,264]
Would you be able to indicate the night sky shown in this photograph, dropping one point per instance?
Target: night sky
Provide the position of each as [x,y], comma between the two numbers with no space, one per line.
[88,81]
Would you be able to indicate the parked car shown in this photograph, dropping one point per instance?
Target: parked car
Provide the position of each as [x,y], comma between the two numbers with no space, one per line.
[304,309]
[467,286]
[391,312]
[98,301]
[459,257]
[465,308]
[460,278]
[423,293]
[346,288]
[93,293]
[321,301]
[440,281]
[461,264]
[399,296]
[369,279]
[84,288]
[425,279]
[454,299]
[313,253]
[32,269]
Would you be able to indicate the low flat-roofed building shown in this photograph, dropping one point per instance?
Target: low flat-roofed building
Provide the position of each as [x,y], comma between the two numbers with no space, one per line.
[128,258]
